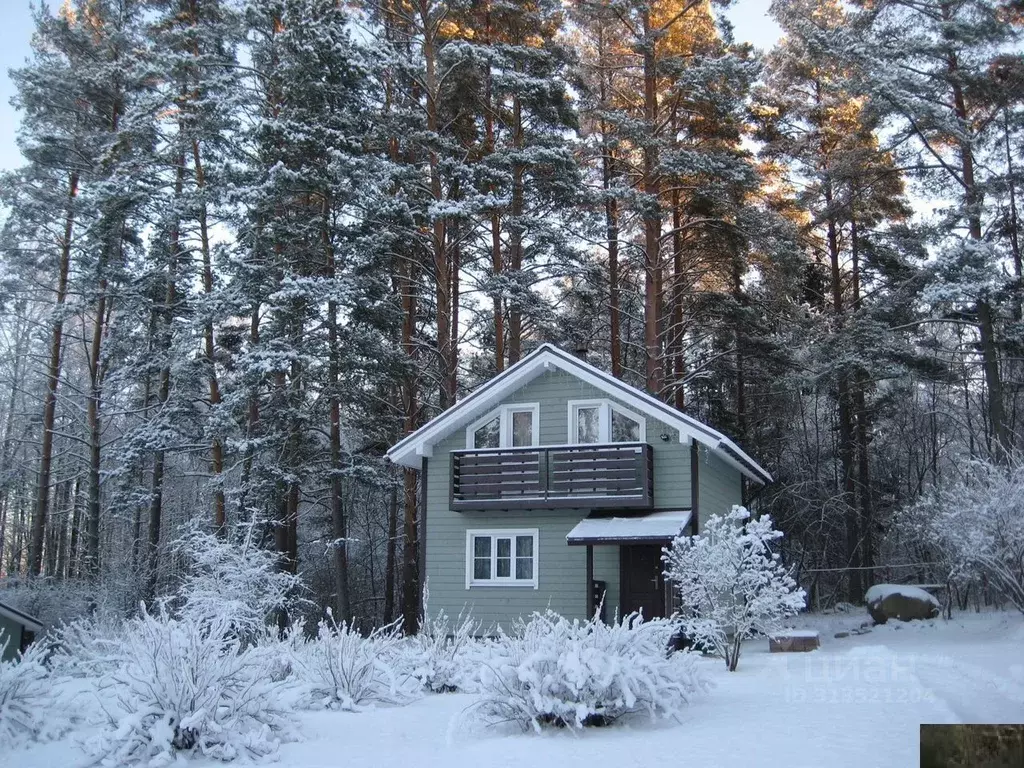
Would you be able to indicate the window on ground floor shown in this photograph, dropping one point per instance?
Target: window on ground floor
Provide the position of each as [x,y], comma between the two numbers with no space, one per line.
[501,558]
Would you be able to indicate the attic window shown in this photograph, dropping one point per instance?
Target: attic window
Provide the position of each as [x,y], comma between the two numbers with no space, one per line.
[601,421]
[510,426]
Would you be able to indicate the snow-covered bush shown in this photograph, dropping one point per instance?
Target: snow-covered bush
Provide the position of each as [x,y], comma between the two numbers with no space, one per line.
[86,648]
[441,655]
[29,708]
[232,576]
[730,583]
[975,527]
[182,686]
[552,671]
[55,601]
[343,669]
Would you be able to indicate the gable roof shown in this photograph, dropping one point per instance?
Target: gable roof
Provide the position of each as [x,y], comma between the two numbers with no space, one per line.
[413,447]
[33,625]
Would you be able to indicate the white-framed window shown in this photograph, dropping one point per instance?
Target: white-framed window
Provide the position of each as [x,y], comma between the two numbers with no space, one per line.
[514,425]
[601,421]
[501,558]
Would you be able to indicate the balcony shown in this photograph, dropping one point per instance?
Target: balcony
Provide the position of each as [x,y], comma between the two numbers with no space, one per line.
[546,477]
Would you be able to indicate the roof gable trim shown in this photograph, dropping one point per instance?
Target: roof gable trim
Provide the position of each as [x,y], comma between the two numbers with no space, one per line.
[546,357]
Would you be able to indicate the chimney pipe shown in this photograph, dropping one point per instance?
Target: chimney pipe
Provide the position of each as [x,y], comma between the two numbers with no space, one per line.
[582,352]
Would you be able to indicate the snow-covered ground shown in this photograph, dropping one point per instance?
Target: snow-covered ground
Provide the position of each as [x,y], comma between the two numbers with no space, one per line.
[857,701]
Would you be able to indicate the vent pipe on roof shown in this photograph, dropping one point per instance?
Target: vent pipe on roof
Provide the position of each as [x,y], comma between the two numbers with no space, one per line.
[582,352]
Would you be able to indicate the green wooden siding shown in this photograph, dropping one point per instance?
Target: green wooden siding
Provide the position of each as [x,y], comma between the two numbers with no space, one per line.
[719,486]
[561,568]
[10,631]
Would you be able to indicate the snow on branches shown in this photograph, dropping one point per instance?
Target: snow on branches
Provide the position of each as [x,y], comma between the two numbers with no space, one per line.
[233,577]
[730,583]
[29,708]
[183,686]
[343,669]
[975,526]
[573,674]
[440,653]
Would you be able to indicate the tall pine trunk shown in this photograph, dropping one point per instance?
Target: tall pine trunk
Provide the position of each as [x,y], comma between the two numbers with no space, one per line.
[515,235]
[339,528]
[209,345]
[94,420]
[156,498]
[35,558]
[652,211]
[973,197]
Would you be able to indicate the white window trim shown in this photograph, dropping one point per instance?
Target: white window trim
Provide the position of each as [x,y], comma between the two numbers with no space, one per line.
[504,412]
[604,420]
[511,581]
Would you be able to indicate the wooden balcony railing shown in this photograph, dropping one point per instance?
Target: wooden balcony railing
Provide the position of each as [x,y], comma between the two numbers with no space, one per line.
[544,477]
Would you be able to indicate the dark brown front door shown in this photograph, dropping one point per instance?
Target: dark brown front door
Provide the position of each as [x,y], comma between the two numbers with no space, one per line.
[641,583]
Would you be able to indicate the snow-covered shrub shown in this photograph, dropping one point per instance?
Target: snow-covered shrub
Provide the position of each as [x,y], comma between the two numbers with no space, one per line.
[343,669]
[440,656]
[552,671]
[182,686]
[29,708]
[56,601]
[232,576]
[975,527]
[86,647]
[730,583]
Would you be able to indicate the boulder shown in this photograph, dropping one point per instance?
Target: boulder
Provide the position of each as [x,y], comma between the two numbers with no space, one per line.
[900,601]
[794,641]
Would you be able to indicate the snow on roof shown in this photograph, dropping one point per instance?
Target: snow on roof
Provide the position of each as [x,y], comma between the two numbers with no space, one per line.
[410,450]
[33,625]
[882,591]
[657,526]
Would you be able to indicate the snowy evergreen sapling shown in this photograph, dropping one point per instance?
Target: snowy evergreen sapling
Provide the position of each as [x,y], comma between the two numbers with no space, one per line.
[730,583]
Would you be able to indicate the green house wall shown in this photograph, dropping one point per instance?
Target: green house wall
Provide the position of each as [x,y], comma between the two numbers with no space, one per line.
[561,568]
[10,631]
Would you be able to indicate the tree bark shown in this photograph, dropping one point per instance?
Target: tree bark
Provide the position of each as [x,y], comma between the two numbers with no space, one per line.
[390,567]
[515,235]
[52,380]
[846,449]
[95,423]
[611,213]
[439,233]
[410,560]
[156,502]
[209,344]
[339,525]
[652,211]
[973,198]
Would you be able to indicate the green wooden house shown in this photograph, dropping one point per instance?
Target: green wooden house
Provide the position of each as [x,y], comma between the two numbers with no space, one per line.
[18,629]
[556,485]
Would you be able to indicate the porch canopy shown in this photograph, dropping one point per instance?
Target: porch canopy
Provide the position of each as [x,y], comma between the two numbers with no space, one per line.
[653,528]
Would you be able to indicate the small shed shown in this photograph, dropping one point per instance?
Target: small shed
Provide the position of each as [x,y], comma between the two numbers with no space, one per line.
[18,629]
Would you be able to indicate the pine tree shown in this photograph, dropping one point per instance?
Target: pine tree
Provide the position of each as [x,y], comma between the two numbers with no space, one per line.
[927,66]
